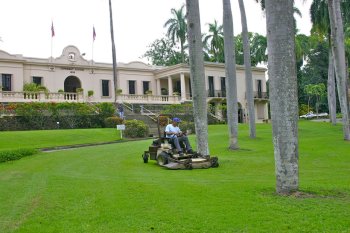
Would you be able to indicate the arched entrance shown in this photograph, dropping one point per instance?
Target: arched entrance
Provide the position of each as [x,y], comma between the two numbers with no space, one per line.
[71,84]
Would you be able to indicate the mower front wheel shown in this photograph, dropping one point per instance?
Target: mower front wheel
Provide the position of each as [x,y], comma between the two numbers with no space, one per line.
[145,157]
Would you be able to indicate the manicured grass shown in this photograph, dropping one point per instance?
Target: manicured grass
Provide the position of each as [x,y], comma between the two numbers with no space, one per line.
[109,189]
[52,138]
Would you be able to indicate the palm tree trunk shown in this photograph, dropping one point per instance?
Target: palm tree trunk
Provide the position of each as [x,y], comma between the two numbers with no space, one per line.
[197,76]
[283,93]
[113,51]
[248,71]
[339,61]
[332,102]
[231,82]
[182,52]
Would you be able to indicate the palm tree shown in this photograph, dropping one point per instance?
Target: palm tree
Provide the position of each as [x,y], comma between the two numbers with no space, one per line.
[258,49]
[231,82]
[338,49]
[177,29]
[320,24]
[283,93]
[113,49]
[197,76]
[216,39]
[248,71]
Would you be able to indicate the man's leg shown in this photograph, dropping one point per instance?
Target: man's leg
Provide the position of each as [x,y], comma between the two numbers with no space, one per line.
[187,143]
[177,144]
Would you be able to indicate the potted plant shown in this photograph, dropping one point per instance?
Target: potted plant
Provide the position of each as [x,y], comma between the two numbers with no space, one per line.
[90,93]
[149,92]
[60,91]
[118,91]
[78,90]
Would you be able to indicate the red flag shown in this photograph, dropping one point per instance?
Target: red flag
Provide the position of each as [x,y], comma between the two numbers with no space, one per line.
[52,30]
[93,33]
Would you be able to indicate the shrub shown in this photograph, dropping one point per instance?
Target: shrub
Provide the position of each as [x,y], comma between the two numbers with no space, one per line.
[135,129]
[16,154]
[303,109]
[60,91]
[111,122]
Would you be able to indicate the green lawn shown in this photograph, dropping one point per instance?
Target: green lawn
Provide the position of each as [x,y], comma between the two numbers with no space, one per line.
[109,189]
[52,138]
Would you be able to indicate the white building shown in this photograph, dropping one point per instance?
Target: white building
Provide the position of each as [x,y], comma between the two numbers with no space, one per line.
[137,82]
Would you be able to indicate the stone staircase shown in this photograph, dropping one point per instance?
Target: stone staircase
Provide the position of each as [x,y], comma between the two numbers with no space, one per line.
[149,118]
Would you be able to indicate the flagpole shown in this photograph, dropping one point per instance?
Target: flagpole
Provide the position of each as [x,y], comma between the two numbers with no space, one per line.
[92,52]
[52,35]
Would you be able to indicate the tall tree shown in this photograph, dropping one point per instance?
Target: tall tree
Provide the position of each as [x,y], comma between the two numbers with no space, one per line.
[162,53]
[197,76]
[283,93]
[113,49]
[320,24]
[332,101]
[177,29]
[231,82]
[248,71]
[338,50]
[215,39]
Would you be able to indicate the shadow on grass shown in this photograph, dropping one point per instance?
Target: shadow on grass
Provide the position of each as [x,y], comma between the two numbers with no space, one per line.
[305,194]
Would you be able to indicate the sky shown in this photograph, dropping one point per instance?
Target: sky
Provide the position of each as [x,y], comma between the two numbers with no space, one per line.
[25,25]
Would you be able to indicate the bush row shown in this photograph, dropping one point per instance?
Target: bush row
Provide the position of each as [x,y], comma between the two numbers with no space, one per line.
[33,116]
[16,154]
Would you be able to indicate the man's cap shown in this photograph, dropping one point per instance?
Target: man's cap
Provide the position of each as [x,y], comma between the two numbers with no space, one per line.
[176,119]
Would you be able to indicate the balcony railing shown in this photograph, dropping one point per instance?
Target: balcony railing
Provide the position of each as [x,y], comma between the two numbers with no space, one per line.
[20,96]
[260,95]
[216,93]
[156,99]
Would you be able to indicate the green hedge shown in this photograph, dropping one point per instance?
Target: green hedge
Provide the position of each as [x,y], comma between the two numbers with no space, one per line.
[16,154]
[33,116]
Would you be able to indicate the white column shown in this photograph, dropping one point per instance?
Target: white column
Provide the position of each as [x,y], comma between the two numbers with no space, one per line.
[170,86]
[183,86]
[159,92]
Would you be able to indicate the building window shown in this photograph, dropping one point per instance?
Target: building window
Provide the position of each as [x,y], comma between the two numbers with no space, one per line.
[6,82]
[132,90]
[211,86]
[105,87]
[259,83]
[145,87]
[37,80]
[71,56]
[223,86]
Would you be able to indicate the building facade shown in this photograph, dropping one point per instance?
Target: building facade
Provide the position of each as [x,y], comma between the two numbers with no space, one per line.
[70,77]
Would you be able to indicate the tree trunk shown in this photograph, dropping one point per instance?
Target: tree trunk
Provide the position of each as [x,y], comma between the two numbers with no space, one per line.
[231,82]
[283,93]
[113,52]
[338,48]
[332,101]
[248,71]
[197,76]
